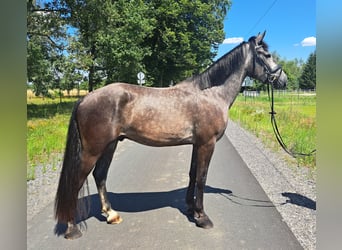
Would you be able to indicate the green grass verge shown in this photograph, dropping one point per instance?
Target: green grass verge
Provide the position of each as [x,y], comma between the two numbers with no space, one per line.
[47,123]
[296,120]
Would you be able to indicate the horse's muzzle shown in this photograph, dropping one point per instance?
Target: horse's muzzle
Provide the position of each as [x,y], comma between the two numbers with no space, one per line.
[281,82]
[277,78]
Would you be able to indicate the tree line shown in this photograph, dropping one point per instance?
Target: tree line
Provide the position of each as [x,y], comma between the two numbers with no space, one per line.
[89,43]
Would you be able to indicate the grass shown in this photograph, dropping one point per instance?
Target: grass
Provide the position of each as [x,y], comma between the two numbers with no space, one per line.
[296,120]
[47,123]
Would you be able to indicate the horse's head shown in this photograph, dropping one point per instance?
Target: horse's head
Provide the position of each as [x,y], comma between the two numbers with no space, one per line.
[263,66]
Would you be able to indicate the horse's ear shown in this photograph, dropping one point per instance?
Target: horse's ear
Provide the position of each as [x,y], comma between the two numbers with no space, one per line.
[260,37]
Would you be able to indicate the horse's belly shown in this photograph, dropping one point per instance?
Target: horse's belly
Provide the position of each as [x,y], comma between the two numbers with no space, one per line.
[154,133]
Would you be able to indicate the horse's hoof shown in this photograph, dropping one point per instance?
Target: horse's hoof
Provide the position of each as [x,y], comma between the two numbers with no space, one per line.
[114,220]
[72,233]
[204,222]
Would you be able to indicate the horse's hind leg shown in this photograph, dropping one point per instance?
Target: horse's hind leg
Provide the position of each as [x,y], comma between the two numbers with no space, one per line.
[100,175]
[87,164]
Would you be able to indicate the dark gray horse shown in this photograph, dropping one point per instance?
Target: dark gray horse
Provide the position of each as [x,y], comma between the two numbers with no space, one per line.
[195,111]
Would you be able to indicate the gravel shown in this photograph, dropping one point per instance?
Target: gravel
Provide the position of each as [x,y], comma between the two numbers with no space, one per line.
[292,189]
[42,190]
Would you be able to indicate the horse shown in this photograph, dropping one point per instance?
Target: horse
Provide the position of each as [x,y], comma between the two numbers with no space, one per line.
[194,111]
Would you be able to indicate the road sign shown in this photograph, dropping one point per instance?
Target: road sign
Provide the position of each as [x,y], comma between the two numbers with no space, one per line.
[141,76]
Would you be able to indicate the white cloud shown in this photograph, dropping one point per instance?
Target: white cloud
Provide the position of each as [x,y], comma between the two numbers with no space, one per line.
[308,41]
[233,40]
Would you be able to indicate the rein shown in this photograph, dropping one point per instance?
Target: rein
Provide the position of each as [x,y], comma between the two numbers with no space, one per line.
[273,76]
[275,127]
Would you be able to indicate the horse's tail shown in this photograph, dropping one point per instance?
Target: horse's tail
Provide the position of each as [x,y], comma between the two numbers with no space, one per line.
[68,187]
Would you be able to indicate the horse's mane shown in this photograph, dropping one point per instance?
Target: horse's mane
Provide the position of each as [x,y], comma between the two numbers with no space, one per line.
[216,73]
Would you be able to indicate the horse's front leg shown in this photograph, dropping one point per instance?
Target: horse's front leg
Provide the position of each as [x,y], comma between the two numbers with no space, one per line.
[191,188]
[204,154]
[100,175]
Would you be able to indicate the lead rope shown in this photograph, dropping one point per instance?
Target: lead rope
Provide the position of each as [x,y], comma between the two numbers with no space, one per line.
[276,130]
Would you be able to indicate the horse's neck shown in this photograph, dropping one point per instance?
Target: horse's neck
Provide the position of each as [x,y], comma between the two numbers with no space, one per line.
[233,79]
[231,88]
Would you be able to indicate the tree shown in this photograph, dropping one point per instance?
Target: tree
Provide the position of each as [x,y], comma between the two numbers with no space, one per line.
[308,78]
[114,40]
[68,74]
[38,67]
[45,34]
[185,39]
[293,70]
[110,37]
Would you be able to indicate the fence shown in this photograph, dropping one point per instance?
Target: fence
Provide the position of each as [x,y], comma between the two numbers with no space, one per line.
[72,93]
[280,92]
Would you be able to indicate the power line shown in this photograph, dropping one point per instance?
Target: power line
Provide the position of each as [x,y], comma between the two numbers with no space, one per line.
[269,8]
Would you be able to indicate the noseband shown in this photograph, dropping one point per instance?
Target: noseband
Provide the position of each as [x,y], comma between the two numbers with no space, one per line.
[272,75]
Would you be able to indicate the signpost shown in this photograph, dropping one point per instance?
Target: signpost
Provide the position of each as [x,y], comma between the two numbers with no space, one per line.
[141,78]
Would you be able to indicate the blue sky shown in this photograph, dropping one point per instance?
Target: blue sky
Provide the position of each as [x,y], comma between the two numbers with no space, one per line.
[290,26]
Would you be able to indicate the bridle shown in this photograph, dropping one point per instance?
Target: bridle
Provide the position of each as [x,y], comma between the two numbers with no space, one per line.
[273,76]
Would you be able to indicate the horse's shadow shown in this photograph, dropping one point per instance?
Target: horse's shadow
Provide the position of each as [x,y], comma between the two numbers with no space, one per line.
[146,201]
[136,202]
[300,200]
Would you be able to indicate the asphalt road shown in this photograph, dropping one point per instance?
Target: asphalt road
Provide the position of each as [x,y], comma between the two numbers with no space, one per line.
[147,187]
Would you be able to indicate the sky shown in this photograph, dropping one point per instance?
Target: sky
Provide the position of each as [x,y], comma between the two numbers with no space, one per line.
[290,26]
